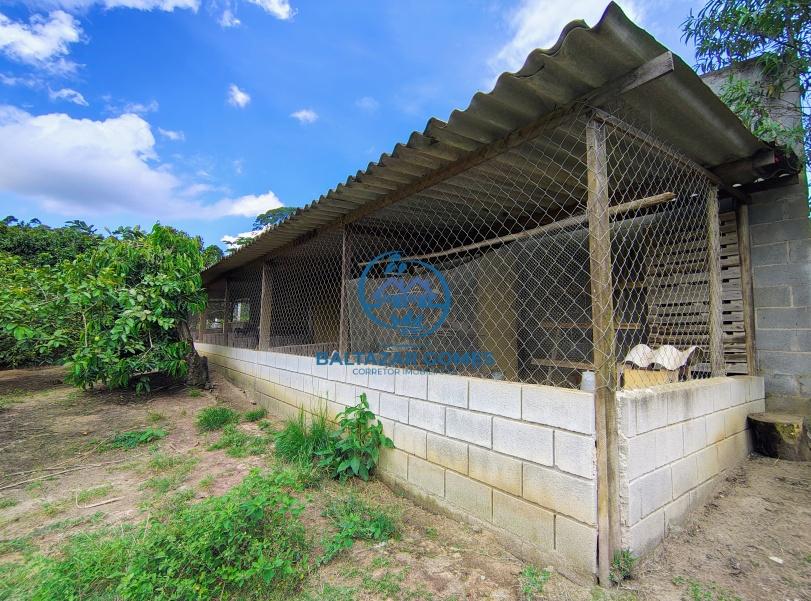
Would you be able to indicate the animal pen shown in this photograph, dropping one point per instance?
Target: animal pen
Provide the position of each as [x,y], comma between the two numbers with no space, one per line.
[587,256]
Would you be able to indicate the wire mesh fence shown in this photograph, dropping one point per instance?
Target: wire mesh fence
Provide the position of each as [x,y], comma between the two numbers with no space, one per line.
[488,272]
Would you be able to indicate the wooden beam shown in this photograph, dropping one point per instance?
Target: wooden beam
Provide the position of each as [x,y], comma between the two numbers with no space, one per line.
[265,304]
[605,363]
[227,313]
[745,253]
[715,320]
[346,275]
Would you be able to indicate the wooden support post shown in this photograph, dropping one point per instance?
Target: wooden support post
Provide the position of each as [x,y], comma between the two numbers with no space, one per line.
[716,320]
[201,324]
[745,252]
[346,274]
[227,314]
[265,304]
[605,363]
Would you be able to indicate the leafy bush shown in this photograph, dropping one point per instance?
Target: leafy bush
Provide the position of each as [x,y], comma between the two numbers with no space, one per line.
[354,449]
[355,520]
[240,444]
[248,543]
[300,441]
[254,415]
[216,418]
[133,438]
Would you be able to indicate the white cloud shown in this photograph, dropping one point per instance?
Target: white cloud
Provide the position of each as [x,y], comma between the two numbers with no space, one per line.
[538,23]
[305,116]
[229,19]
[174,136]
[367,103]
[140,108]
[146,5]
[84,167]
[68,95]
[42,42]
[280,9]
[237,97]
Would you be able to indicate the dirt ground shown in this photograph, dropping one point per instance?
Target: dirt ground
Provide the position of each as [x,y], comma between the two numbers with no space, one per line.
[58,477]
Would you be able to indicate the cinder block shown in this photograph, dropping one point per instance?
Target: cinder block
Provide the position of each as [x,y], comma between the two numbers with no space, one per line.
[559,407]
[447,452]
[336,372]
[324,388]
[413,384]
[388,426]
[707,463]
[772,296]
[715,427]
[394,462]
[706,394]
[770,254]
[685,475]
[394,407]
[676,511]
[500,471]
[472,427]
[651,412]
[448,390]
[648,533]
[372,397]
[641,454]
[356,374]
[735,419]
[472,496]
[425,415]
[426,475]
[678,404]
[785,318]
[381,379]
[533,443]
[411,440]
[655,489]
[740,391]
[695,435]
[575,453]
[790,229]
[577,543]
[756,383]
[345,394]
[626,410]
[560,492]
[669,444]
[733,450]
[527,521]
[499,398]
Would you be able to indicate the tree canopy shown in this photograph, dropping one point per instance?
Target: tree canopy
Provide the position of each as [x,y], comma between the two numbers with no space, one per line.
[776,34]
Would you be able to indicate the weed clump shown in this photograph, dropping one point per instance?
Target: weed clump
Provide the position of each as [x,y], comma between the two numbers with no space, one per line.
[355,520]
[133,438]
[216,418]
[254,415]
[300,441]
[533,582]
[622,566]
[240,444]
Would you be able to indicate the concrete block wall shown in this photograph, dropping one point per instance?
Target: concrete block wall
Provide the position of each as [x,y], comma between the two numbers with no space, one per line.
[676,442]
[780,238]
[517,459]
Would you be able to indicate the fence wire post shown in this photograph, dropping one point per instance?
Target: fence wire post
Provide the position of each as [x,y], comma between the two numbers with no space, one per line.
[265,304]
[605,363]
[346,275]
[227,314]
[715,321]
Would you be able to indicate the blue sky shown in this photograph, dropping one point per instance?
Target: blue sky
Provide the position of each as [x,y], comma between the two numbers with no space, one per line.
[202,113]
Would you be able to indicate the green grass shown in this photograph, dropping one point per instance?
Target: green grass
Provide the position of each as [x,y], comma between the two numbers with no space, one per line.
[700,591]
[385,586]
[216,418]
[622,566]
[133,438]
[238,443]
[300,441]
[91,494]
[169,471]
[254,415]
[155,417]
[532,582]
[194,392]
[7,502]
[355,519]
[207,483]
[248,543]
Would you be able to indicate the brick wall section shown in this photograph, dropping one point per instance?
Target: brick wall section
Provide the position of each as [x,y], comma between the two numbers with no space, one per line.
[515,458]
[780,235]
[676,441]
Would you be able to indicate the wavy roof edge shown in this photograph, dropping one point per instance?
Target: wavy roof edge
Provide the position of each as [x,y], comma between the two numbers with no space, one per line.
[683,111]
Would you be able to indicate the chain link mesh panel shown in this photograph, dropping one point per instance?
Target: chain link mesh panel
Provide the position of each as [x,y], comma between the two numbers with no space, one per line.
[510,238]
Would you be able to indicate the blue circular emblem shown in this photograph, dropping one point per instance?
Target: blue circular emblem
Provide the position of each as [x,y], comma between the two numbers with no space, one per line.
[407,295]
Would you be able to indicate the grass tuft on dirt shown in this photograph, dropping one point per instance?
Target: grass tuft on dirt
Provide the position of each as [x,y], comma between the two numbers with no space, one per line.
[216,418]
[133,438]
[248,543]
[300,441]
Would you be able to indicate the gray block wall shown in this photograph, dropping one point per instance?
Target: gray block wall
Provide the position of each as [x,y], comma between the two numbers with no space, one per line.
[780,236]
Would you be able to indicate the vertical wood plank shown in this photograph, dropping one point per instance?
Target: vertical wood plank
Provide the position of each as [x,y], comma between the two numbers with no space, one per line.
[227,314]
[266,303]
[605,363]
[716,320]
[745,253]
[346,274]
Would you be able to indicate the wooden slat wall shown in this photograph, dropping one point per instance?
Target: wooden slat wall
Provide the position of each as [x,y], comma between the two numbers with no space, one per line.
[677,293]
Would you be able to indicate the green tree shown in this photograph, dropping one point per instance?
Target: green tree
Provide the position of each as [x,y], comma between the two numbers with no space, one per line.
[272,217]
[38,245]
[776,34]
